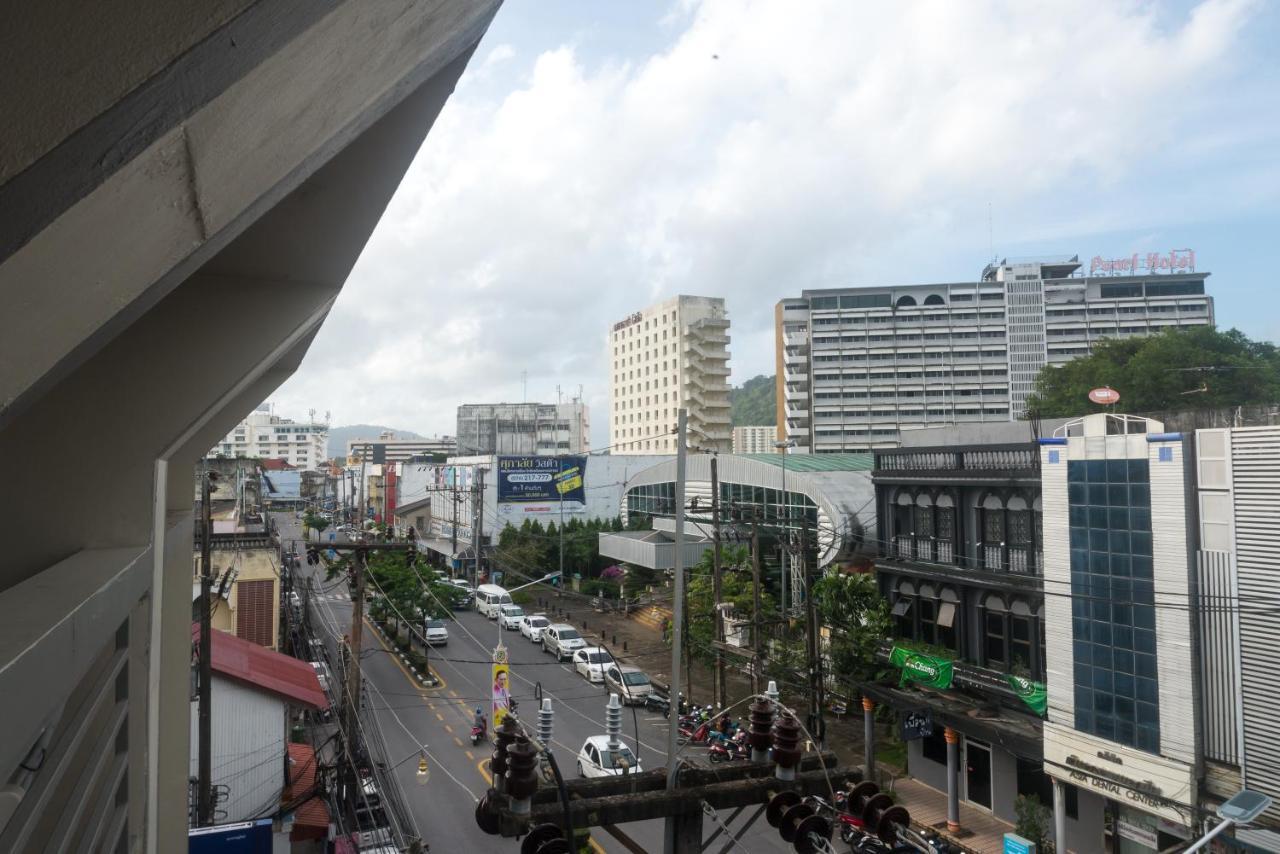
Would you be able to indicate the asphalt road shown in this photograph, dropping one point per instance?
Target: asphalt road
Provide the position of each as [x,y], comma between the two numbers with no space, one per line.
[440,718]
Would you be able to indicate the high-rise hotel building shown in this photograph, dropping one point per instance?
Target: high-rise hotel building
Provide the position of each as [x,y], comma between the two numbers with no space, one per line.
[856,366]
[671,354]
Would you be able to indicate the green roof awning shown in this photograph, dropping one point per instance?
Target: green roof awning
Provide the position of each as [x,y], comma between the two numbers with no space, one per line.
[818,462]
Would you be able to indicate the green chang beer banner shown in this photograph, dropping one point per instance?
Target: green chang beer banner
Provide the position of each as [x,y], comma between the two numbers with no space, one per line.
[918,667]
[1033,694]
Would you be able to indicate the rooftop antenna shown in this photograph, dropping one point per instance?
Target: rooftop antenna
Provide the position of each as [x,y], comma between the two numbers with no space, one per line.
[559,397]
[524,380]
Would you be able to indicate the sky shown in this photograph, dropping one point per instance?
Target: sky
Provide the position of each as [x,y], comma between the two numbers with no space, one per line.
[598,157]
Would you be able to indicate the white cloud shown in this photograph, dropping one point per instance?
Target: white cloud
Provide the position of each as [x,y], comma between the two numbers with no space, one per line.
[763,152]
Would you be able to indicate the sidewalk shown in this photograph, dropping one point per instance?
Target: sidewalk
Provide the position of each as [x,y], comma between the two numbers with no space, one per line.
[980,831]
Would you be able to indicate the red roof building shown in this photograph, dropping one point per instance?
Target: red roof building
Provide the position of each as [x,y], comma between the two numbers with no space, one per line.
[277,464]
[311,816]
[259,667]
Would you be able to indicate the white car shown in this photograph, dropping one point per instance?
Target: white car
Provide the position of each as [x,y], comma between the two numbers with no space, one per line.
[437,633]
[591,662]
[595,759]
[322,674]
[509,616]
[532,625]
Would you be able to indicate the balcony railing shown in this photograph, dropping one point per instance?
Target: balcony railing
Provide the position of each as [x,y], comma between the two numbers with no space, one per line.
[1018,560]
[1023,457]
[996,557]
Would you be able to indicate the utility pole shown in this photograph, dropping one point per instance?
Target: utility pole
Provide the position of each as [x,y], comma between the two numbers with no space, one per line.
[204,796]
[454,520]
[476,536]
[718,683]
[817,726]
[757,641]
[357,633]
[672,827]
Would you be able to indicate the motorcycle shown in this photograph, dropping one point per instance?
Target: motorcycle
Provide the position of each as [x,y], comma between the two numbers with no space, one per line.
[727,750]
[655,702]
[696,733]
[477,734]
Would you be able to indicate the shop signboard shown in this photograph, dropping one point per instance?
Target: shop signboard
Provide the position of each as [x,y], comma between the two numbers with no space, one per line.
[917,723]
[530,480]
[1149,783]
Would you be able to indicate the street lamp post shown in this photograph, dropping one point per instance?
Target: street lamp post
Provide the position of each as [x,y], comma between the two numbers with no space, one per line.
[784,448]
[1241,808]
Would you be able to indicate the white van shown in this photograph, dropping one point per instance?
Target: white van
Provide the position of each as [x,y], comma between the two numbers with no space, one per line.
[489,598]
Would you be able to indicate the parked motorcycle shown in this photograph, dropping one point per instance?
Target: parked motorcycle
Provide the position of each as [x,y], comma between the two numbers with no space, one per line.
[728,750]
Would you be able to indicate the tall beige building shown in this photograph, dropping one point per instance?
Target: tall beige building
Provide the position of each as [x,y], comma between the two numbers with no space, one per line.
[672,354]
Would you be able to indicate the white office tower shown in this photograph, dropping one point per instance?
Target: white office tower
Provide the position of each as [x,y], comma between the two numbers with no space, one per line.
[670,355]
[856,366]
[263,435]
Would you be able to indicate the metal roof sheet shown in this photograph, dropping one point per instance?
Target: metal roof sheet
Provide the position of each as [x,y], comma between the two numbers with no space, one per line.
[818,462]
[264,668]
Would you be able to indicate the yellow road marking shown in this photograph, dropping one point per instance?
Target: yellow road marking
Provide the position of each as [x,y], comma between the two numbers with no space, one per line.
[396,658]
[458,742]
[470,755]
[439,716]
[453,693]
[448,729]
[484,772]
[595,846]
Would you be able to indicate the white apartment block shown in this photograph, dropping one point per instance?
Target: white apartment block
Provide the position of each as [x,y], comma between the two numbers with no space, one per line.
[755,440]
[858,365]
[535,429]
[671,354]
[387,448]
[267,436]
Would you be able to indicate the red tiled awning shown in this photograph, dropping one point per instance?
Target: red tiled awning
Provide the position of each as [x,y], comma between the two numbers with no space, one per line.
[311,817]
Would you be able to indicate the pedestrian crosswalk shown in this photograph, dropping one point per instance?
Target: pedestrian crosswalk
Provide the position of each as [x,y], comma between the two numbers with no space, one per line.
[338,597]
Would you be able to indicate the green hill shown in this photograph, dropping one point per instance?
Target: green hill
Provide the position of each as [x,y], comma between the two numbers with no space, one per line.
[753,403]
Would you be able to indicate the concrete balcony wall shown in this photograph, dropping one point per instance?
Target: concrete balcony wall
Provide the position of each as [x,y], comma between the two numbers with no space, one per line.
[243,156]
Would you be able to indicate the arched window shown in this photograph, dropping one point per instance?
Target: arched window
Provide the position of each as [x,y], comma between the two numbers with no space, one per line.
[1022,637]
[995,651]
[934,299]
[945,528]
[904,618]
[927,613]
[905,302]
[948,618]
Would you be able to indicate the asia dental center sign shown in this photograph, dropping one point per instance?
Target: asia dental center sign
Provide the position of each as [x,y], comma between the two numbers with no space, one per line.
[1153,784]
[1173,261]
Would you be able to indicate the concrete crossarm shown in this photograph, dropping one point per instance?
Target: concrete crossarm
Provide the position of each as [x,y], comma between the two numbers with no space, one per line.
[616,800]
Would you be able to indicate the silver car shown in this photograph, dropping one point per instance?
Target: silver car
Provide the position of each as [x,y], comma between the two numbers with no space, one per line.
[630,683]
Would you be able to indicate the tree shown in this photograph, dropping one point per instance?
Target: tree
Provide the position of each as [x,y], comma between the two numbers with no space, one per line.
[1033,820]
[850,604]
[1199,367]
[314,522]
[735,588]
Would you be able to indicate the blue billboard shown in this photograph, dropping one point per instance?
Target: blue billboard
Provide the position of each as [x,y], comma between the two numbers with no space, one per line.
[525,480]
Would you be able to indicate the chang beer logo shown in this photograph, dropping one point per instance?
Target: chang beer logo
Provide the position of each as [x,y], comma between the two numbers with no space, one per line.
[1032,693]
[921,669]
[925,669]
